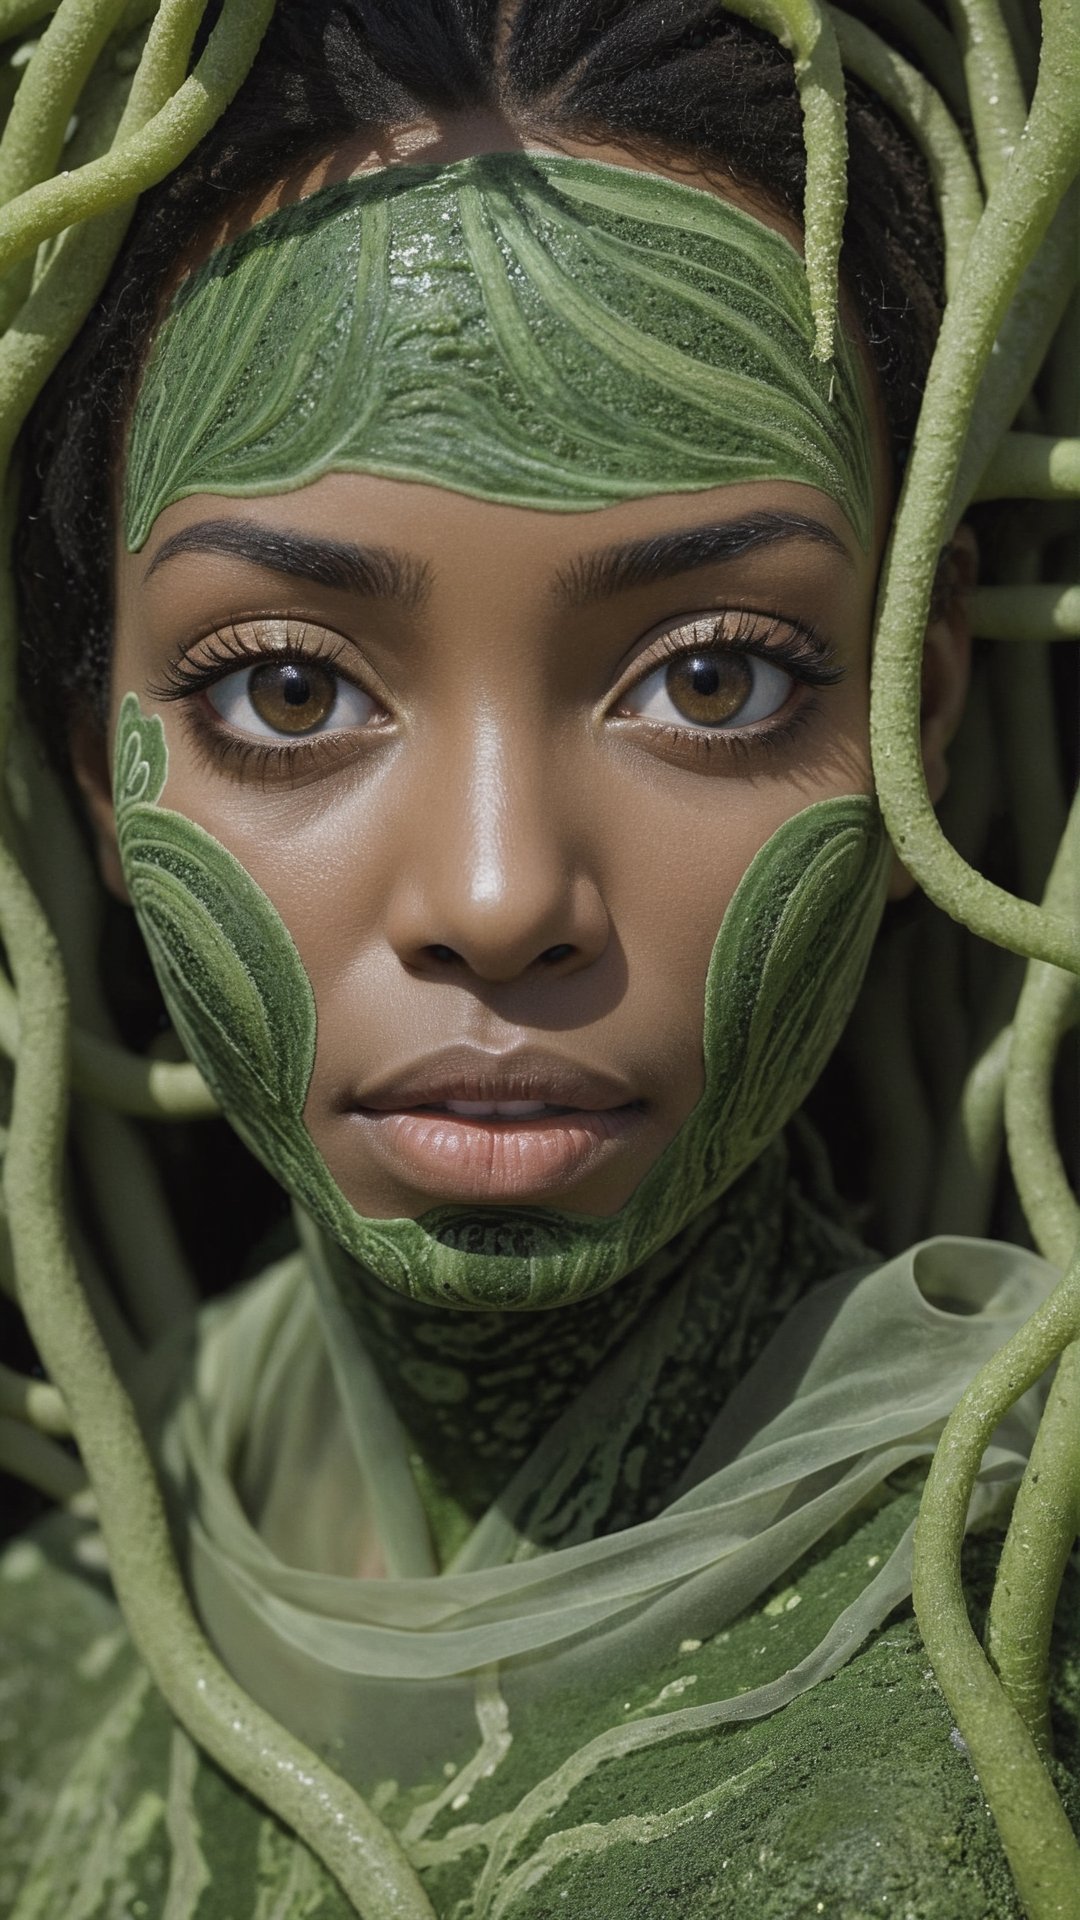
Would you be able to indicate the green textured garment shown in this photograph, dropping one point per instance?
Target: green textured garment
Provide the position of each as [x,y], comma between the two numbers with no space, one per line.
[534,330]
[669,1715]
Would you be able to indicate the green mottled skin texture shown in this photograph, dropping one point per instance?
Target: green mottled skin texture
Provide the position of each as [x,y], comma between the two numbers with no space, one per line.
[855,1795]
[476,1392]
[539,331]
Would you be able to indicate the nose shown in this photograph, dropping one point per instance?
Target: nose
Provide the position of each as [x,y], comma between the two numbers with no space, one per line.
[495,879]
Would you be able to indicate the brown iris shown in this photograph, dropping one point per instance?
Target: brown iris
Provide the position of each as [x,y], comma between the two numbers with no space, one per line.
[709,687]
[292,696]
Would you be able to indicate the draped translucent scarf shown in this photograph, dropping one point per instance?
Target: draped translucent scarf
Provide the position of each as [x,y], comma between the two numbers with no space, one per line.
[280,1486]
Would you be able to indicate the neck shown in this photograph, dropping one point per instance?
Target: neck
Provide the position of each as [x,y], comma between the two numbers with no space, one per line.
[477,1393]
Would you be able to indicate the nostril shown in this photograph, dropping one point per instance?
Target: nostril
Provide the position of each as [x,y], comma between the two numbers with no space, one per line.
[445,954]
[552,955]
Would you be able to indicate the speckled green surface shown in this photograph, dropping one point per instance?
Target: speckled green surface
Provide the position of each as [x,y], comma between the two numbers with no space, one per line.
[857,1800]
[540,330]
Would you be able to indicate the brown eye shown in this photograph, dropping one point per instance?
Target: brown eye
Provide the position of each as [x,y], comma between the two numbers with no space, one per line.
[292,696]
[709,687]
[289,698]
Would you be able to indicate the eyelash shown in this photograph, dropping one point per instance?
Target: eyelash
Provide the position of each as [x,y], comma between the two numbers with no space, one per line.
[796,647]
[225,652]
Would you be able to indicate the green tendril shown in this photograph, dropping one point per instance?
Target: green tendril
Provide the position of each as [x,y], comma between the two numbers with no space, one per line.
[995,94]
[932,44]
[1011,268]
[1016,219]
[1041,1536]
[146,156]
[33,1457]
[921,109]
[253,1747]
[1039,1842]
[34,1402]
[1048,1007]
[1046,1514]
[1032,466]
[247,1742]
[805,29]
[18,16]
[1026,613]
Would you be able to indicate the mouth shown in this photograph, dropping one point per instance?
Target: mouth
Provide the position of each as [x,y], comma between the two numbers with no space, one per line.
[497,1129]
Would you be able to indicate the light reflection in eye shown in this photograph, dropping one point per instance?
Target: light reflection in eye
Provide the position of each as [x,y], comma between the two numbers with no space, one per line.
[712,687]
[290,698]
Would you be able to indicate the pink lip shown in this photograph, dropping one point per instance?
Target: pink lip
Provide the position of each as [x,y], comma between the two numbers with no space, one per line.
[453,1157]
[489,1158]
[470,1073]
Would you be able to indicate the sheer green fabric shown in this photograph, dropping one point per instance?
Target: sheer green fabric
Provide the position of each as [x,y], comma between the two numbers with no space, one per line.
[392,1676]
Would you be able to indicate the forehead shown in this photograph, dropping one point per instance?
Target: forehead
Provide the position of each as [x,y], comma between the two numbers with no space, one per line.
[557,333]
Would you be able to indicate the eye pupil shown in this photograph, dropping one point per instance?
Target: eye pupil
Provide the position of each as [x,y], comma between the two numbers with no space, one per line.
[295,686]
[710,687]
[291,697]
[704,677]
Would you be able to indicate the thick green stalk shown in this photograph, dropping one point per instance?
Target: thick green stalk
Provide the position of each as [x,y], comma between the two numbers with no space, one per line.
[1039,1842]
[971,1149]
[1046,1514]
[54,77]
[1026,336]
[33,1457]
[1032,466]
[1041,1536]
[1017,216]
[1026,613]
[36,126]
[34,1402]
[933,45]
[247,1742]
[995,94]
[105,1072]
[804,27]
[237,1734]
[1048,1006]
[129,1083]
[923,112]
[144,158]
[17,16]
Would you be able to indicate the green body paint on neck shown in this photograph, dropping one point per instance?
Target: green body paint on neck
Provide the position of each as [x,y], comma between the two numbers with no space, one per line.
[784,973]
[536,331]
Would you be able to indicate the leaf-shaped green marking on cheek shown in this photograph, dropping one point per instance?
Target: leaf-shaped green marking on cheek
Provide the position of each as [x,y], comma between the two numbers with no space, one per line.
[784,973]
[227,967]
[236,987]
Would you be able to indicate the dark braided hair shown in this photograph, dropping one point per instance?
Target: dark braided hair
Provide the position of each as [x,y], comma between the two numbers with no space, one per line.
[658,75]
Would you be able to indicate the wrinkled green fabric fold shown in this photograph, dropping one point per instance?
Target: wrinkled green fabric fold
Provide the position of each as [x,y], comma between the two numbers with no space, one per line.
[533,330]
[785,970]
[852,1389]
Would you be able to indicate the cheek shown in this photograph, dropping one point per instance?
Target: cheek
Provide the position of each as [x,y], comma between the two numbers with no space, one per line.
[665,848]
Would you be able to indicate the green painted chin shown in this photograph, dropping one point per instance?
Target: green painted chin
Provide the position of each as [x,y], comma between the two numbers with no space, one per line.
[785,969]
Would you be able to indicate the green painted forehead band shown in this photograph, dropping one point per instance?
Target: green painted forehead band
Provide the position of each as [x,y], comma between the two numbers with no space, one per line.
[536,331]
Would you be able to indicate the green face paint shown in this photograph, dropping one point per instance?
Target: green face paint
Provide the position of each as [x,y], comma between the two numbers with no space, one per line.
[539,331]
[543,332]
[784,972]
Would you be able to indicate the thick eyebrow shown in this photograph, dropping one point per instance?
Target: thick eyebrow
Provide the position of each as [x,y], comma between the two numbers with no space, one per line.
[375,572]
[639,563]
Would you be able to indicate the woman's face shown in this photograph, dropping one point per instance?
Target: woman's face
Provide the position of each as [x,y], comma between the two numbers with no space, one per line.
[502,788]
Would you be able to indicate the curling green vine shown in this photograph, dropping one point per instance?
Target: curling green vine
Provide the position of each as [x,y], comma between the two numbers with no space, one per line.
[1008,211]
[160,126]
